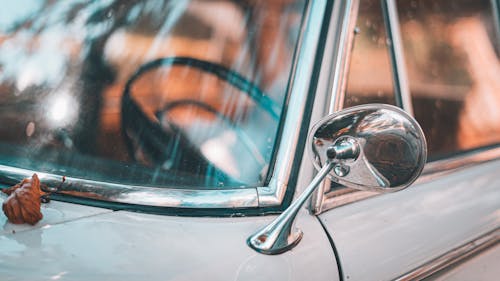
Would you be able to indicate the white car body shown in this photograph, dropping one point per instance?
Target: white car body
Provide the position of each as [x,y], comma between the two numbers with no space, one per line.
[450,213]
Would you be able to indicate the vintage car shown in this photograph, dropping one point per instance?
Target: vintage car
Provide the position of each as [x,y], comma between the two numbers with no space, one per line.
[252,140]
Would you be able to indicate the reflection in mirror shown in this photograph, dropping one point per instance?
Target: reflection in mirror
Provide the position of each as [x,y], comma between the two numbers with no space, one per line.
[391,147]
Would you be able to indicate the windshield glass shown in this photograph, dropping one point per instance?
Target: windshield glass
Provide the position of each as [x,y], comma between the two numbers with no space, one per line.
[159,93]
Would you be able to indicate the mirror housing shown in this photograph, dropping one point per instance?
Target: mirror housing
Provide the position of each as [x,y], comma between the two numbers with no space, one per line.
[390,145]
[374,147]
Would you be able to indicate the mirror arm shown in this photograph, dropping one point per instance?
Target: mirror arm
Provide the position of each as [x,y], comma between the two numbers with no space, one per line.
[278,236]
[359,148]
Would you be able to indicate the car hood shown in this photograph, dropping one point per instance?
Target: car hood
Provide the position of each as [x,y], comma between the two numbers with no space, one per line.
[75,242]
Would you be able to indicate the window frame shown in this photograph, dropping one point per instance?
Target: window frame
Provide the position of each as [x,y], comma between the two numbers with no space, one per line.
[225,202]
[326,198]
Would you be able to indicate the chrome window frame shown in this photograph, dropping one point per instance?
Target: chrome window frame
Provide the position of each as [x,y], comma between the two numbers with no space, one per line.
[495,6]
[236,200]
[453,257]
[397,56]
[335,68]
[325,199]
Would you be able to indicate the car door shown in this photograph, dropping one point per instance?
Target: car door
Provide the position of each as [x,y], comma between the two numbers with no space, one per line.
[129,218]
[437,60]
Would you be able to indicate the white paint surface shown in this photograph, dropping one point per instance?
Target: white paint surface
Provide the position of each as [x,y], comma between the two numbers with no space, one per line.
[482,267]
[133,246]
[386,236]
[53,213]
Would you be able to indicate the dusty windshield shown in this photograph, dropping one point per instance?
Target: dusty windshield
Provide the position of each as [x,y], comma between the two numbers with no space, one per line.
[163,93]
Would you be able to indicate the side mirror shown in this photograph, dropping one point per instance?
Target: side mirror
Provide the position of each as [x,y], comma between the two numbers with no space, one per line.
[374,147]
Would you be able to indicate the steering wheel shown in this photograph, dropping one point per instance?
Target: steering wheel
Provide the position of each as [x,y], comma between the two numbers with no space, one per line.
[164,143]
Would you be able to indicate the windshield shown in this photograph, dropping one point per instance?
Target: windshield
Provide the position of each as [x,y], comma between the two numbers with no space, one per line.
[159,93]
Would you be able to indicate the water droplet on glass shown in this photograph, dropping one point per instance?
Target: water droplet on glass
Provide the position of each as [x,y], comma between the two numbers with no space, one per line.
[30,129]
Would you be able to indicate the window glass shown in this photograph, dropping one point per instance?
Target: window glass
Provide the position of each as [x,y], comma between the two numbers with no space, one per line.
[163,93]
[453,72]
[370,78]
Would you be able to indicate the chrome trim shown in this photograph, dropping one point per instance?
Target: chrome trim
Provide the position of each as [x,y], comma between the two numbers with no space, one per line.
[432,171]
[356,134]
[336,65]
[346,14]
[495,7]
[452,164]
[396,53]
[273,194]
[139,195]
[280,236]
[454,256]
[344,196]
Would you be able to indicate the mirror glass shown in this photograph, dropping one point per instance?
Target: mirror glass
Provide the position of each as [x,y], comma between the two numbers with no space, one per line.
[390,147]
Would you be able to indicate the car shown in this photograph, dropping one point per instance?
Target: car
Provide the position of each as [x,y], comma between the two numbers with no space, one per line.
[251,140]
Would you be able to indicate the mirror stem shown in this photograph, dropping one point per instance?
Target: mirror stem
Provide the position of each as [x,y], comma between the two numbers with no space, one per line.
[278,236]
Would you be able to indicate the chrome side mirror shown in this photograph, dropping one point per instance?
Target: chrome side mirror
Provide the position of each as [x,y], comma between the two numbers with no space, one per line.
[374,147]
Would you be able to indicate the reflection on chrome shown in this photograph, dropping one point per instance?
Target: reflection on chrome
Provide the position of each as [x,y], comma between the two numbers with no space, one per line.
[138,195]
[393,149]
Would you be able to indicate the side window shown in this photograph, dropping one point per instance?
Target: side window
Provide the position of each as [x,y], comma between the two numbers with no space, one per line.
[184,94]
[370,79]
[451,50]
[453,72]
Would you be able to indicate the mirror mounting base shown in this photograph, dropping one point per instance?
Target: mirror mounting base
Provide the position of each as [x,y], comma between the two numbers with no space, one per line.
[278,236]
